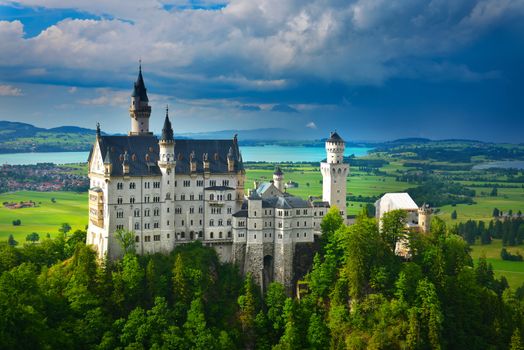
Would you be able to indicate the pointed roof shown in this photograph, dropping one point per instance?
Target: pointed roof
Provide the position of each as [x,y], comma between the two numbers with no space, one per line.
[278,171]
[107,159]
[334,136]
[167,130]
[139,89]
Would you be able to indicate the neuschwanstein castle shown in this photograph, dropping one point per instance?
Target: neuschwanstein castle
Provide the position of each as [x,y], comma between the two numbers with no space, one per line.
[171,192]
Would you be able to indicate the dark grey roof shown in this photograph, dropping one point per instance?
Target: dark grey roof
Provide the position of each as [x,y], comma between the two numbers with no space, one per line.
[240,214]
[278,171]
[216,151]
[219,188]
[143,153]
[334,137]
[321,204]
[167,130]
[139,89]
[107,159]
[138,148]
[282,202]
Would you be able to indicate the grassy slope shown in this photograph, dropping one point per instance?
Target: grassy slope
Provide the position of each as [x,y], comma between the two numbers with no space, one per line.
[47,217]
[508,198]
[512,270]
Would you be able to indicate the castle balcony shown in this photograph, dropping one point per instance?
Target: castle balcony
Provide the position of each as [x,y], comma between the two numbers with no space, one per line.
[96,206]
[216,203]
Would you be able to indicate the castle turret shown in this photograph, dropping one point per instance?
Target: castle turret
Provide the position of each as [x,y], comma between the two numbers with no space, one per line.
[125,164]
[108,164]
[424,218]
[278,179]
[139,111]
[230,160]
[335,173]
[167,144]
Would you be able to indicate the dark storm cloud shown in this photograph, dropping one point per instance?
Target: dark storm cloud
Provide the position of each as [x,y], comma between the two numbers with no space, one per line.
[383,59]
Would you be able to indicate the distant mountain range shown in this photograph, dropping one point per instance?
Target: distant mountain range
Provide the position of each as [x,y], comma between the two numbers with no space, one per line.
[13,130]
[18,137]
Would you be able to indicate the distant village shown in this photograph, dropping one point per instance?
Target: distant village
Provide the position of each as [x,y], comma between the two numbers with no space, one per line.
[42,177]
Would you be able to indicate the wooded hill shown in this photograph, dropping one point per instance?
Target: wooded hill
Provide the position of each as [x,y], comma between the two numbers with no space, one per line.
[358,295]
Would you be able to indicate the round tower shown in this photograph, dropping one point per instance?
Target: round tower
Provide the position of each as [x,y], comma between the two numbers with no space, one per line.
[334,174]
[167,144]
[335,148]
[278,179]
[424,218]
[139,111]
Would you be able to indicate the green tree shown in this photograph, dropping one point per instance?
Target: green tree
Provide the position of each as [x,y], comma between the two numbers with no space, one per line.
[317,333]
[248,310]
[275,300]
[126,239]
[64,228]
[331,222]
[496,213]
[516,341]
[11,241]
[494,192]
[454,215]
[33,237]
[196,331]
[393,227]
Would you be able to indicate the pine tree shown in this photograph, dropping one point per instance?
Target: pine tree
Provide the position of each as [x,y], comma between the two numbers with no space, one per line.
[11,241]
[454,215]
[516,341]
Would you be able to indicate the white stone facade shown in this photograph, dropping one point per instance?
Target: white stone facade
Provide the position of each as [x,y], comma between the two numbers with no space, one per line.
[170,192]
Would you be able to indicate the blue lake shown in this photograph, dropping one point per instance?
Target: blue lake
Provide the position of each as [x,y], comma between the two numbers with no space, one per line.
[249,153]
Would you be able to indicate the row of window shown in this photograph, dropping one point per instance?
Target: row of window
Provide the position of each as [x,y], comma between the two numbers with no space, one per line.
[200,183]
[132,185]
[242,235]
[220,222]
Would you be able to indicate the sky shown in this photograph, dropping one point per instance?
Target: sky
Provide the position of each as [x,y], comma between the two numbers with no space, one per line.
[373,70]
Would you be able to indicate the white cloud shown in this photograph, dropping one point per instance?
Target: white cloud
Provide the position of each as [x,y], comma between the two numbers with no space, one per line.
[9,90]
[311,125]
[263,45]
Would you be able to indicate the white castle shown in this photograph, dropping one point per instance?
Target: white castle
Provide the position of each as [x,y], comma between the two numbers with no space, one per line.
[170,192]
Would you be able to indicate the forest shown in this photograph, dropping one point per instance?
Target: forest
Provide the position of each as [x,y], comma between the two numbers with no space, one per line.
[358,295]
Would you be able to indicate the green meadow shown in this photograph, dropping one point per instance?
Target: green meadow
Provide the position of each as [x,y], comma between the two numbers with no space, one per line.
[508,198]
[46,217]
[72,207]
[512,270]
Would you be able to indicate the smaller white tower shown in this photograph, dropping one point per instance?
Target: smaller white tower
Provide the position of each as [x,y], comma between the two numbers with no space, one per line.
[335,173]
[424,218]
[167,163]
[278,179]
[139,111]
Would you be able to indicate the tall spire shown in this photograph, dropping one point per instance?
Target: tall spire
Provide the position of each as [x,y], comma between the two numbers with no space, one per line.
[139,111]
[139,89]
[167,130]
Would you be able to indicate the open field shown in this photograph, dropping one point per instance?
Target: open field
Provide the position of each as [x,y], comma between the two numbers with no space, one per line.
[46,217]
[512,270]
[508,198]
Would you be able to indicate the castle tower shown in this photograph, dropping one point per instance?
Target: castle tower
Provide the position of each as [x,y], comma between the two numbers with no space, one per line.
[139,111]
[334,174]
[278,179]
[167,163]
[424,218]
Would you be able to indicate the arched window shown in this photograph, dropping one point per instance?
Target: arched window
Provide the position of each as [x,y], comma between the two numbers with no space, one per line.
[211,197]
[229,197]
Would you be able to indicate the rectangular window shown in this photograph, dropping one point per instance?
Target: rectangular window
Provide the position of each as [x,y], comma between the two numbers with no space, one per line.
[156,238]
[147,238]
